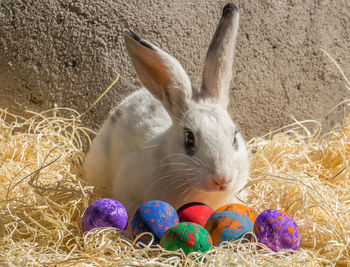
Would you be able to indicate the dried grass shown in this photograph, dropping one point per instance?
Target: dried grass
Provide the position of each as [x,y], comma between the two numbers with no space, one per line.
[43,199]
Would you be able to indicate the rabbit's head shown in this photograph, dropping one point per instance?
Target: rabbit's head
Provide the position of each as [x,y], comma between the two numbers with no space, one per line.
[203,143]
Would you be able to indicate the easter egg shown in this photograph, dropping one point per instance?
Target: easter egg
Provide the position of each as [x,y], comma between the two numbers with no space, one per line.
[188,236]
[155,217]
[195,212]
[277,230]
[230,222]
[105,212]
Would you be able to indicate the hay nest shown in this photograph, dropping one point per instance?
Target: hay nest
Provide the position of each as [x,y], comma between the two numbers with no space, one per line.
[43,198]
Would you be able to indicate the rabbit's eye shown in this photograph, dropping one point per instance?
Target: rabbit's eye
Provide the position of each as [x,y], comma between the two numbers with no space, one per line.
[190,142]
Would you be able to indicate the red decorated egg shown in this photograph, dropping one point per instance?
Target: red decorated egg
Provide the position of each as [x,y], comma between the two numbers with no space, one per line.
[195,212]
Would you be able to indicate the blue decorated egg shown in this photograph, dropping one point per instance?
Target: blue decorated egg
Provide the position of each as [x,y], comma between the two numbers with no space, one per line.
[105,212]
[155,217]
[229,223]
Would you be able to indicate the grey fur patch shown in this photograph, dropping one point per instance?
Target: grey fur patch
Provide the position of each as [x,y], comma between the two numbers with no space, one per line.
[153,107]
[106,146]
[117,113]
[195,91]
[235,142]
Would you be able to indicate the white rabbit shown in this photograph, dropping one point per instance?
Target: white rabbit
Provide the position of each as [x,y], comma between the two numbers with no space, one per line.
[170,141]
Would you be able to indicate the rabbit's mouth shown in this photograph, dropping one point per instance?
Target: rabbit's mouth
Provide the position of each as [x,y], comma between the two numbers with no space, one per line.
[223,187]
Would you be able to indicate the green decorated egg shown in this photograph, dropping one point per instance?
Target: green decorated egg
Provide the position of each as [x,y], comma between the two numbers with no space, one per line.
[188,236]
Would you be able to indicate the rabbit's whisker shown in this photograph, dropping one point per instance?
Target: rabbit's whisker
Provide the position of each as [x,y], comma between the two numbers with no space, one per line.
[195,160]
[185,194]
[181,172]
[170,164]
[158,180]
[186,183]
[172,181]
[174,164]
[151,146]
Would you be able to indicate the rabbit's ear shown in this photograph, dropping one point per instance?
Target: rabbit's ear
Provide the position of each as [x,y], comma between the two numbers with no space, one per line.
[160,73]
[217,73]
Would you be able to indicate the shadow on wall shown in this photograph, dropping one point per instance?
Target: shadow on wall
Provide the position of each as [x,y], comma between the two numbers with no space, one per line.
[69,52]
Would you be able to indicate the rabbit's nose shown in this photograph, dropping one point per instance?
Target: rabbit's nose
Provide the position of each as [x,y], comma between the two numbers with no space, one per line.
[221,182]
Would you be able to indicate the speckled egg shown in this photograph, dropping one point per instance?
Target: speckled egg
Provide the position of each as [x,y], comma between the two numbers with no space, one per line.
[195,212]
[277,230]
[230,222]
[188,236]
[105,212]
[153,216]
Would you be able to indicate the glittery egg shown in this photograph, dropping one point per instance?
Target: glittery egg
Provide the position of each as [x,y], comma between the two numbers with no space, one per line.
[188,236]
[105,212]
[229,223]
[277,230]
[195,212]
[155,217]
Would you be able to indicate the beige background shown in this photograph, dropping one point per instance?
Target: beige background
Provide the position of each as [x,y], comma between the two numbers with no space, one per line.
[68,52]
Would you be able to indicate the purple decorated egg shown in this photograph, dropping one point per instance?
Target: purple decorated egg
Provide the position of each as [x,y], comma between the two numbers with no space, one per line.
[277,230]
[105,212]
[155,217]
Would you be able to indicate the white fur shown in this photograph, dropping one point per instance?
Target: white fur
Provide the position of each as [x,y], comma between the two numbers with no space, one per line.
[139,155]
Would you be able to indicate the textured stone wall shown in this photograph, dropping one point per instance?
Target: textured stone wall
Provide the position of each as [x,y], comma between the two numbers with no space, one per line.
[68,52]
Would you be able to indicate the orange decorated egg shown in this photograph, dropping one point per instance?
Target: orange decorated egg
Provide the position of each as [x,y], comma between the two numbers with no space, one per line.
[230,222]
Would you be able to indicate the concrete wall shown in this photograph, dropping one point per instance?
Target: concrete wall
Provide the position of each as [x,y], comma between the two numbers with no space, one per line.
[68,52]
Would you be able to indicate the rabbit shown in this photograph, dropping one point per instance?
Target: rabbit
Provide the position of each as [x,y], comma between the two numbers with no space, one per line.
[169,140]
